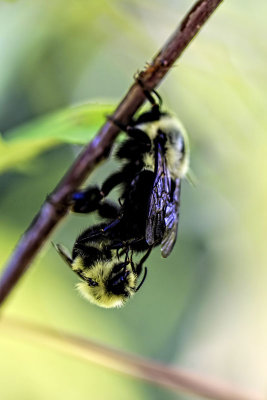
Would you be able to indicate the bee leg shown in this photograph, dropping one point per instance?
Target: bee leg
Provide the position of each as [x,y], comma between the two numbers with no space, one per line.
[142,281]
[141,262]
[113,180]
[117,245]
[109,210]
[86,201]
[148,94]
[131,262]
[154,113]
[131,131]
[111,225]
[120,248]
[91,198]
[127,258]
[150,98]
[139,268]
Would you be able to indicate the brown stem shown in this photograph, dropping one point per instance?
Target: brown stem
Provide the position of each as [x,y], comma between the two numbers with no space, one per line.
[57,204]
[177,379]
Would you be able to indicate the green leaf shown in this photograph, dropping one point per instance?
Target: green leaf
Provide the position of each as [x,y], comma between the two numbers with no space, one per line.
[73,125]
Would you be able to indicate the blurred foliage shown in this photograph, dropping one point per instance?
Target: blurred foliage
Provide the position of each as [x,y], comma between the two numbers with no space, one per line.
[75,125]
[203,307]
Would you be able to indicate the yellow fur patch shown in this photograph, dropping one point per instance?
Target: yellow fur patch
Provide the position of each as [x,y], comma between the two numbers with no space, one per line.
[99,295]
[177,162]
[77,264]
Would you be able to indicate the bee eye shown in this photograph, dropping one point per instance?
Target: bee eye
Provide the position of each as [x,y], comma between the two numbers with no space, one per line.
[91,282]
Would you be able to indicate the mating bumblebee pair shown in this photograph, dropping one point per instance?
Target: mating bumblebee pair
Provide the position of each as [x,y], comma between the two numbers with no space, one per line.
[154,158]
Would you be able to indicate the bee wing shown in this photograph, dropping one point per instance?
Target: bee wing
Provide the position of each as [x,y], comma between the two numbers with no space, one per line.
[171,221]
[163,213]
[159,199]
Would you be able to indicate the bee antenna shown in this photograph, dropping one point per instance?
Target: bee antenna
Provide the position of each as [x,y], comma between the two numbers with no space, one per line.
[142,281]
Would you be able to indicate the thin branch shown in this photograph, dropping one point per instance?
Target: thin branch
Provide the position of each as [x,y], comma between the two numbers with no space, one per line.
[177,379]
[57,204]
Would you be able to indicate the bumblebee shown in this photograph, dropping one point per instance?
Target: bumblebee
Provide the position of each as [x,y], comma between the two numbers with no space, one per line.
[154,158]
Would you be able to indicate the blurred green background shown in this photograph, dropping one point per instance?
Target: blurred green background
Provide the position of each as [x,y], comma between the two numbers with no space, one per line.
[204,308]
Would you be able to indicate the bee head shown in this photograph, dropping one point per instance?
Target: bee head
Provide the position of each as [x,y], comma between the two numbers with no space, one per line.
[108,283]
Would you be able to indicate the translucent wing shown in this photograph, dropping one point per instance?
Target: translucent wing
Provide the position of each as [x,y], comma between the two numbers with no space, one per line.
[163,213]
[171,221]
[155,226]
